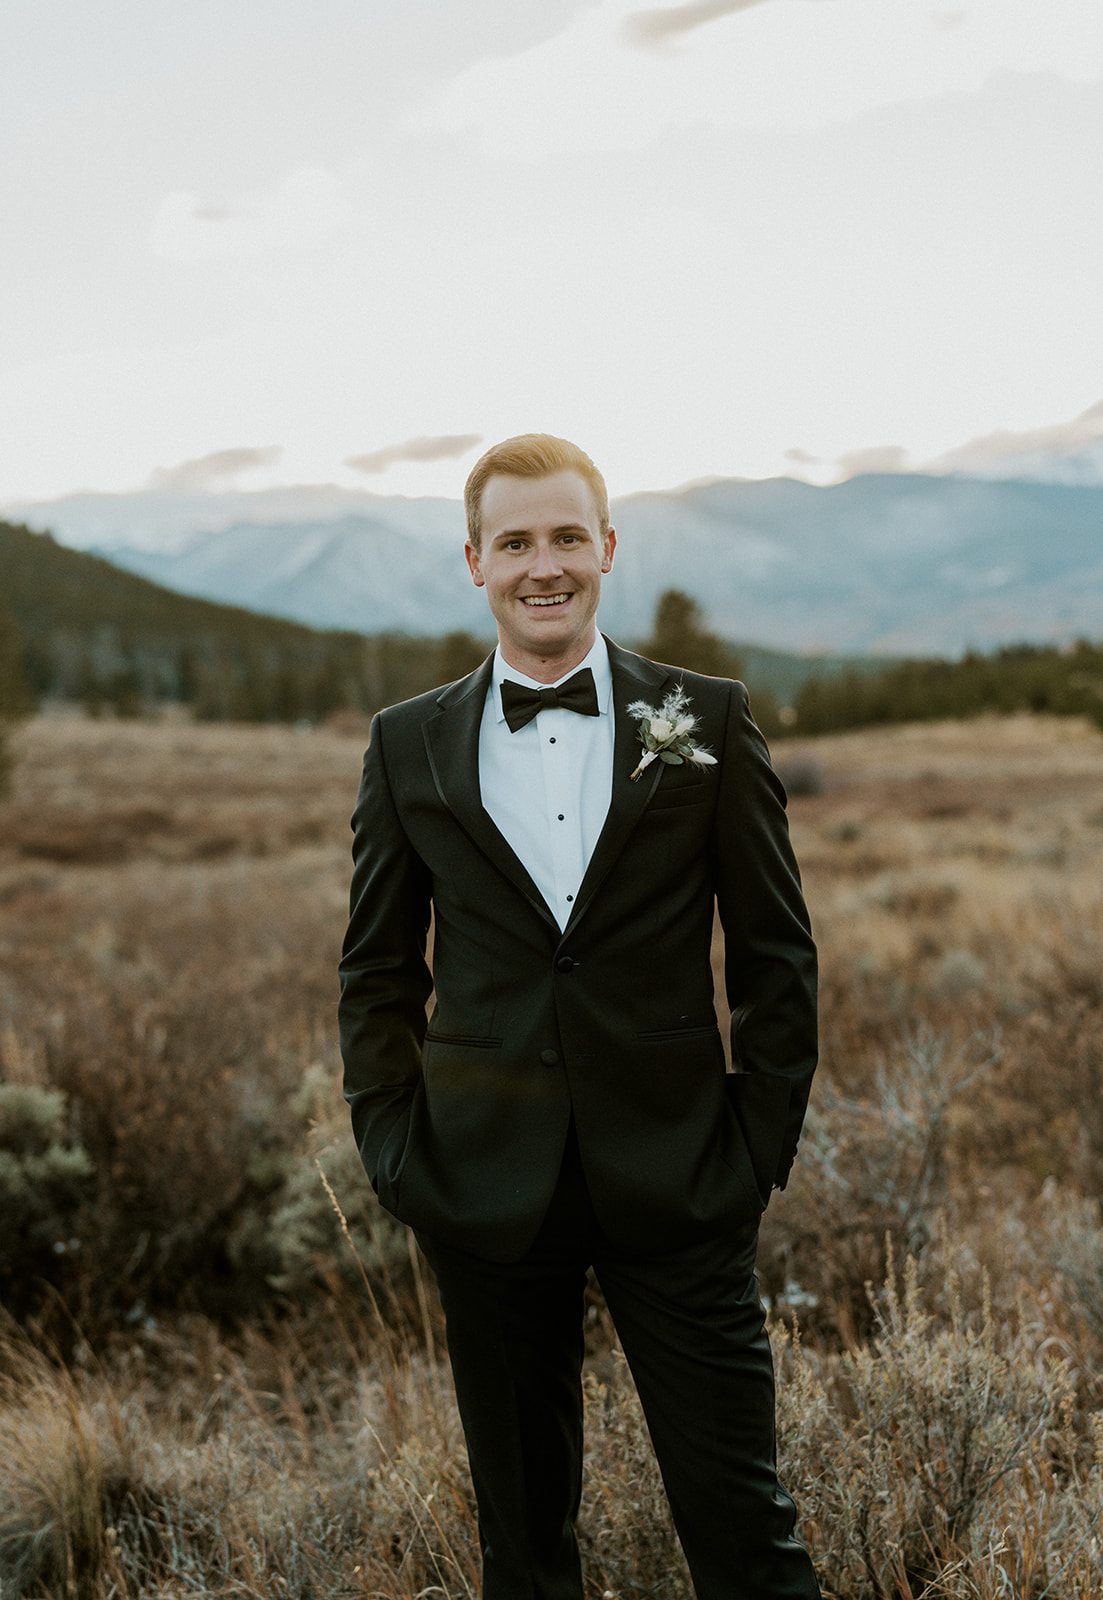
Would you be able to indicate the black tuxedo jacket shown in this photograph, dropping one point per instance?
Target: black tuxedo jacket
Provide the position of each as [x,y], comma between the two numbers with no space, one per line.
[461,1120]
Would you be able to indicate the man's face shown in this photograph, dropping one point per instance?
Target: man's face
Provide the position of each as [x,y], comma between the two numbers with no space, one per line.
[541,564]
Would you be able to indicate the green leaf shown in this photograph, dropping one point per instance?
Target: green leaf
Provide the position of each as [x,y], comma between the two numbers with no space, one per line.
[670,758]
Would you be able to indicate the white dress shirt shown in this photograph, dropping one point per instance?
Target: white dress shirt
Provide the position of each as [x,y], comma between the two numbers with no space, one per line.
[547,786]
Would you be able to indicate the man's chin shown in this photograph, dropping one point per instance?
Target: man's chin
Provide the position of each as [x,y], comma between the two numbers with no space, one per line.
[547,622]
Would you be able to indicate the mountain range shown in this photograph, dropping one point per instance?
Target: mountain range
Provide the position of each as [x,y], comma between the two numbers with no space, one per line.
[883,564]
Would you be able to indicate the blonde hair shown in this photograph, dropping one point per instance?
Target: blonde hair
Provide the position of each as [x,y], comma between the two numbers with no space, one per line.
[531,455]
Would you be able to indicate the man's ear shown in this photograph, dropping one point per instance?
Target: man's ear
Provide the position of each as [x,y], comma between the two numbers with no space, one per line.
[474,564]
[608,546]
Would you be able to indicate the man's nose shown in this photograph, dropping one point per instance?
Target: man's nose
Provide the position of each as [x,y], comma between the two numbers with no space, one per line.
[545,562]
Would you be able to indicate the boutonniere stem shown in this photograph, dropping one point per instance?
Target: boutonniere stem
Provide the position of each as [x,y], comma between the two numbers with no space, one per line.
[666,733]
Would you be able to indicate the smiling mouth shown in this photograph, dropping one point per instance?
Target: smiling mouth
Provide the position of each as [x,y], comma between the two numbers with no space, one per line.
[545,599]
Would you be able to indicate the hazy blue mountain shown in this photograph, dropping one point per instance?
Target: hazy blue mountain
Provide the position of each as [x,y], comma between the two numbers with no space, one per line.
[173,519]
[360,572]
[893,564]
[903,564]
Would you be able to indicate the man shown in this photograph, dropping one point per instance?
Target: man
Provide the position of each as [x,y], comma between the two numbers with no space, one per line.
[566,1105]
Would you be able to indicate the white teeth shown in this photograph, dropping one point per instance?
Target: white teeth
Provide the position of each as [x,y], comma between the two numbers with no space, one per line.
[545,599]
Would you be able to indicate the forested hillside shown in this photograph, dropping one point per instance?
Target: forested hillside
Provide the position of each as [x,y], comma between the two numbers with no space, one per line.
[92,633]
[1025,678]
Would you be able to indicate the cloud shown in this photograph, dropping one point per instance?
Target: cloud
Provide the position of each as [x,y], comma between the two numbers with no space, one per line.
[667,22]
[877,458]
[1033,451]
[210,472]
[791,64]
[656,27]
[441,447]
[306,206]
[1060,452]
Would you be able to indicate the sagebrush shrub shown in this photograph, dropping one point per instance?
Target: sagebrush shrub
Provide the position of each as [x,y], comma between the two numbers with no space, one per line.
[873,1173]
[45,1177]
[918,1452]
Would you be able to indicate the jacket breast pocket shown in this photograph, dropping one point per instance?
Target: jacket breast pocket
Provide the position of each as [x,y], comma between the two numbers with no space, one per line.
[468,1040]
[671,793]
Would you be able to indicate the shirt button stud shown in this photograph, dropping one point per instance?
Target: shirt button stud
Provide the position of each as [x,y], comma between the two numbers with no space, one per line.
[549,1057]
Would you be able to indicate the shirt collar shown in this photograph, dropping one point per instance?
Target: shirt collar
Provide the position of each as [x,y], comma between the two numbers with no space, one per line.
[597,660]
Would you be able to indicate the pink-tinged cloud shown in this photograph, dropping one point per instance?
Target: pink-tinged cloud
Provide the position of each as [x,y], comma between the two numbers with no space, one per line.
[878,458]
[441,447]
[208,472]
[995,450]
[668,22]
[656,27]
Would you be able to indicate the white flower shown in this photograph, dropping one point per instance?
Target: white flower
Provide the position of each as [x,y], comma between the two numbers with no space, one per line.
[665,733]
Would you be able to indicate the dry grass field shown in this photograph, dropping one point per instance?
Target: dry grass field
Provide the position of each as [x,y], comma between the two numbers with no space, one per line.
[220,1367]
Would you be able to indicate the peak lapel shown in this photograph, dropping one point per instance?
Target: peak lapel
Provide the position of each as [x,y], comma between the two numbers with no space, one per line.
[452,746]
[634,678]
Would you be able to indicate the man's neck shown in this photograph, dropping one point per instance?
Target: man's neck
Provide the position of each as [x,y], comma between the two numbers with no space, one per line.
[547,669]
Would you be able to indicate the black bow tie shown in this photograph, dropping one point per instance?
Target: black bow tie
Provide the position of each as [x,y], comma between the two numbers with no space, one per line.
[521,705]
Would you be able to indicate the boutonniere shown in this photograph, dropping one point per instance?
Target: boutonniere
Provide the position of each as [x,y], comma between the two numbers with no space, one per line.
[667,733]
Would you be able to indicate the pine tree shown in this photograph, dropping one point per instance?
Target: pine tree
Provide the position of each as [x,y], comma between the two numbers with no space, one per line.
[15,696]
[680,638]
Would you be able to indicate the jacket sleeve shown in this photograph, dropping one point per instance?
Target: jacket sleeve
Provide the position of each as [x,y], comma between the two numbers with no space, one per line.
[385,980]
[769,954]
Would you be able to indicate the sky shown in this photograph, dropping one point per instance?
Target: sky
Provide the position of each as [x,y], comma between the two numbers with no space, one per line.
[249,243]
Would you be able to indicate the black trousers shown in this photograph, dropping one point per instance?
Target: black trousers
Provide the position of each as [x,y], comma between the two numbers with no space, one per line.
[693,1331]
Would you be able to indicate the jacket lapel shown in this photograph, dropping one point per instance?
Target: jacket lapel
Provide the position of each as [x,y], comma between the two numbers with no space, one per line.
[634,678]
[452,745]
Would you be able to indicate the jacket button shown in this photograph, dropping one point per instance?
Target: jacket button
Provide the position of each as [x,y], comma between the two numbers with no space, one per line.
[564,964]
[549,1057]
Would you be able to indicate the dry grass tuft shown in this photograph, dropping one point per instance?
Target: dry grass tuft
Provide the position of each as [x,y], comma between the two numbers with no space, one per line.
[57,1471]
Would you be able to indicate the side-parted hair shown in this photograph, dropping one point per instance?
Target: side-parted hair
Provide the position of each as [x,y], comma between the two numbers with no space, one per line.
[531,455]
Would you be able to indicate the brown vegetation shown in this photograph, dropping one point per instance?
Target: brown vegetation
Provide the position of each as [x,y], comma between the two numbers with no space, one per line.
[221,1362]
